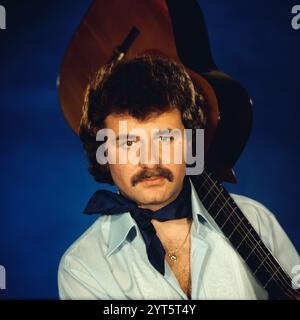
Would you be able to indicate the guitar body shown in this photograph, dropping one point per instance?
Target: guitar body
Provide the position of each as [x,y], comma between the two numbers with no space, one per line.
[162,29]
[235,109]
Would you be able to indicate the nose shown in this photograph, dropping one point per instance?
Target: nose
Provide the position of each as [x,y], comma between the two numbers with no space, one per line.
[150,155]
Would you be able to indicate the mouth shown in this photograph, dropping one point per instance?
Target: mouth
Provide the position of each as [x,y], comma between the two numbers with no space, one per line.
[154,179]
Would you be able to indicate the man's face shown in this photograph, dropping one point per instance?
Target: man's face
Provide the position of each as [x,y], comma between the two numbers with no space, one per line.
[134,180]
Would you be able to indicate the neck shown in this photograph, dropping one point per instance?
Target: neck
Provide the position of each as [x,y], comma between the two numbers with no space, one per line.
[172,228]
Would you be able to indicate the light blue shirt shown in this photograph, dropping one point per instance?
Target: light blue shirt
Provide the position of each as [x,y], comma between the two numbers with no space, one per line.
[109,261]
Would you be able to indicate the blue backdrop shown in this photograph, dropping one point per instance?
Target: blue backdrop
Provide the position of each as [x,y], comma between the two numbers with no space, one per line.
[44,180]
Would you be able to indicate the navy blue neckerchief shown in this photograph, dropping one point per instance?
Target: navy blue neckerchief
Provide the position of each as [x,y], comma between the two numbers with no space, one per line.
[107,202]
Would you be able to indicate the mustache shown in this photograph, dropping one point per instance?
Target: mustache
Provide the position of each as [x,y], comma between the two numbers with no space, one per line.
[152,173]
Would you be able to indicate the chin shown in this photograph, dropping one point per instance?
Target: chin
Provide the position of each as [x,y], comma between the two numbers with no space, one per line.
[151,189]
[152,198]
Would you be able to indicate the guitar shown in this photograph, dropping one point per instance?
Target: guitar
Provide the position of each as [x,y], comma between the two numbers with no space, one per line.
[113,29]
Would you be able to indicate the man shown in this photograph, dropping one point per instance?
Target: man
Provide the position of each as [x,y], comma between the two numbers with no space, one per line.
[154,239]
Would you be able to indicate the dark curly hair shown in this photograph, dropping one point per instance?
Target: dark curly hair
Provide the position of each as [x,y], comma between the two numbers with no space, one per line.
[140,87]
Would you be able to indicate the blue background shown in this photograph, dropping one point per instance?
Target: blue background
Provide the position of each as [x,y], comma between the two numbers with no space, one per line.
[44,178]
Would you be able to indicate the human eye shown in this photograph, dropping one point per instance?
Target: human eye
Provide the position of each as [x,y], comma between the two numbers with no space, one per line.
[127,144]
[166,138]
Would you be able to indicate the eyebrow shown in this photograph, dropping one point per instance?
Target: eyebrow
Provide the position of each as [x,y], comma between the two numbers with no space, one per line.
[128,136]
[165,130]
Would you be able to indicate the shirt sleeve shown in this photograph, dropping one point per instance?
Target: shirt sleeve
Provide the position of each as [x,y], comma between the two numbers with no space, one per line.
[271,233]
[75,283]
[283,248]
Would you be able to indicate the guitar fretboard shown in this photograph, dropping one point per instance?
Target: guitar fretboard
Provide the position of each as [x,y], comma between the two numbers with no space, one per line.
[243,237]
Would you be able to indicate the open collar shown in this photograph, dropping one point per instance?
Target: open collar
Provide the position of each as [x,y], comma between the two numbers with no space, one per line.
[122,224]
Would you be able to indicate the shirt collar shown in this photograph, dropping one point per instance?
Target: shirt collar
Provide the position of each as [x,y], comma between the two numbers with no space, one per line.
[121,225]
[201,215]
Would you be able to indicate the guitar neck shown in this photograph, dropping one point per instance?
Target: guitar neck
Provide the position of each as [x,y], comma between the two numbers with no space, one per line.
[243,237]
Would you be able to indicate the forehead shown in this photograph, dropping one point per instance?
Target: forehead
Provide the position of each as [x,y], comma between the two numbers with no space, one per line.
[169,119]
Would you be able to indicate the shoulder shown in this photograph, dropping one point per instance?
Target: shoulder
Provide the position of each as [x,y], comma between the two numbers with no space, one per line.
[270,231]
[92,242]
[260,217]
[78,276]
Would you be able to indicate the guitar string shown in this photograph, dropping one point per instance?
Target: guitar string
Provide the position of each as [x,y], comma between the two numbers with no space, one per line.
[241,223]
[262,249]
[257,244]
[244,240]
